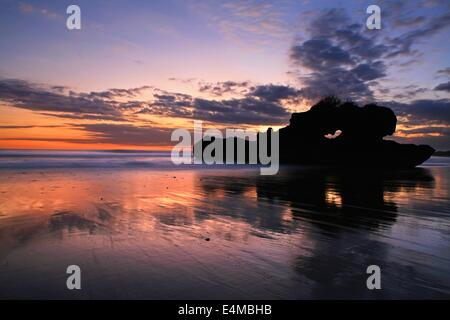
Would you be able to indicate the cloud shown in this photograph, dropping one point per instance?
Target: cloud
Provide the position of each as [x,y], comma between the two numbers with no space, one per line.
[248,110]
[116,93]
[443,87]
[423,111]
[226,87]
[402,45]
[429,130]
[259,105]
[126,134]
[444,72]
[316,54]
[338,58]
[246,22]
[58,101]
[275,93]
[409,92]
[370,70]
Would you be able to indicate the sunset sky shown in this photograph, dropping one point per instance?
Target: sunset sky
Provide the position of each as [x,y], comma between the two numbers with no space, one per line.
[139,69]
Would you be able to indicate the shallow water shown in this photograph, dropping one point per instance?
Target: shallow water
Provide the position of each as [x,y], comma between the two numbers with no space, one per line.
[141,231]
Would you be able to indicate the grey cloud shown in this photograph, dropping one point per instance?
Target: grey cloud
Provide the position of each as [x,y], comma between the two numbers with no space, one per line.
[240,111]
[59,101]
[316,54]
[335,81]
[274,93]
[26,95]
[444,72]
[423,110]
[402,45]
[443,87]
[341,58]
[247,110]
[370,71]
[221,88]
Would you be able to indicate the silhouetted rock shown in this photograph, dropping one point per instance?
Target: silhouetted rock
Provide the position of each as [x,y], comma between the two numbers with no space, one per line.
[335,133]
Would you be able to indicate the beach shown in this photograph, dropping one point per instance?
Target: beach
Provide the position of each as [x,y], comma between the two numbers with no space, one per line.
[142,228]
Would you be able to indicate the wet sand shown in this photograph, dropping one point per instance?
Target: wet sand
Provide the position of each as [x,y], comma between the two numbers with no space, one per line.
[306,233]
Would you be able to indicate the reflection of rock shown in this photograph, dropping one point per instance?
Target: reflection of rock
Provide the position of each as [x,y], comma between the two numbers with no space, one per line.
[71,220]
[334,200]
[353,198]
[359,142]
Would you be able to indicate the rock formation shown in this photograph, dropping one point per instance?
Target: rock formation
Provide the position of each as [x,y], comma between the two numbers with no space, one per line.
[343,134]
[333,133]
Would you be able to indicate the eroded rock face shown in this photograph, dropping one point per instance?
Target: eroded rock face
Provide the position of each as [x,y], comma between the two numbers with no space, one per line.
[306,140]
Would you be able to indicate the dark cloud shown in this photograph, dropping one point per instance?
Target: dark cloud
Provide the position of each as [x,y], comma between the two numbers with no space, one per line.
[247,110]
[370,71]
[275,93]
[402,45]
[316,54]
[409,21]
[26,95]
[335,81]
[444,72]
[259,106]
[410,92]
[340,57]
[443,87]
[423,111]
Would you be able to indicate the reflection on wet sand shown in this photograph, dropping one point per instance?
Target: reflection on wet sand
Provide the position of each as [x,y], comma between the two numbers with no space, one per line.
[305,233]
[346,217]
[331,198]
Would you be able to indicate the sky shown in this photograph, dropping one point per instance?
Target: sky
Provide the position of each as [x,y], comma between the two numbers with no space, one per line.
[137,70]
